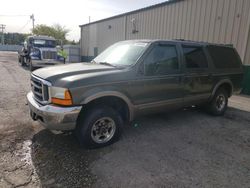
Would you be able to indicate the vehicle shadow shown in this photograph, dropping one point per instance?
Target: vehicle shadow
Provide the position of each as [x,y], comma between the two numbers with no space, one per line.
[60,162]
[24,67]
[237,114]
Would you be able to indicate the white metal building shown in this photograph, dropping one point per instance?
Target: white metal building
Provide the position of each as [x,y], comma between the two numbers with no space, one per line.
[217,21]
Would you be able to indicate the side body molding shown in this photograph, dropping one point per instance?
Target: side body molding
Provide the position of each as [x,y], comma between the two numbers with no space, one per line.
[112,94]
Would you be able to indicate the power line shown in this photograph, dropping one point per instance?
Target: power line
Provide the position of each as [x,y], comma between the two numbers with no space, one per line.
[32,17]
[24,26]
[17,15]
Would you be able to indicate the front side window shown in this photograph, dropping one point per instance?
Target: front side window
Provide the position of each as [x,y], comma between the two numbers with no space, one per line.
[122,53]
[161,60]
[194,57]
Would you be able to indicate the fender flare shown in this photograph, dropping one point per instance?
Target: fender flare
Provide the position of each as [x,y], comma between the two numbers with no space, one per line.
[112,94]
[224,81]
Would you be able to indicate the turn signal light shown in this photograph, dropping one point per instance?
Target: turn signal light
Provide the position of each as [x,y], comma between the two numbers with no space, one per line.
[67,101]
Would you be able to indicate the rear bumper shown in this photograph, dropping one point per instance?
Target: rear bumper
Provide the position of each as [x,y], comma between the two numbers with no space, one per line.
[45,62]
[53,117]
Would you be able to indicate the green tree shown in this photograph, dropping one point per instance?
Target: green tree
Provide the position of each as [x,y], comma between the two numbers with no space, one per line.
[14,38]
[57,31]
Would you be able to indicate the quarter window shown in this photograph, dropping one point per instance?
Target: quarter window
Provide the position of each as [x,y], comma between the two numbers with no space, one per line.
[161,60]
[224,57]
[194,57]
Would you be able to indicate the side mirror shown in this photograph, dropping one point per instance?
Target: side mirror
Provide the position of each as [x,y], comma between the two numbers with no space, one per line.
[58,47]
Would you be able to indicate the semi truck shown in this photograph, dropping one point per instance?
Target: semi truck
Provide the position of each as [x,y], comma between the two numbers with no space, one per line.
[40,51]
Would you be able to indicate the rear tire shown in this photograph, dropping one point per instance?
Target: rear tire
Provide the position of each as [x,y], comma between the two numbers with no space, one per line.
[218,105]
[31,67]
[21,60]
[98,127]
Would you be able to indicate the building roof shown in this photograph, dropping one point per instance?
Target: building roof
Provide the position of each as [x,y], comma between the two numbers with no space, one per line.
[135,11]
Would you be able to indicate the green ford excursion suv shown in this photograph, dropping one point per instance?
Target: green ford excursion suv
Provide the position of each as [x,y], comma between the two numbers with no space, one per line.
[132,78]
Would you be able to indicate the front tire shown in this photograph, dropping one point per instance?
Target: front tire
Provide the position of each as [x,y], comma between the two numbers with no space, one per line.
[219,103]
[21,60]
[31,67]
[98,127]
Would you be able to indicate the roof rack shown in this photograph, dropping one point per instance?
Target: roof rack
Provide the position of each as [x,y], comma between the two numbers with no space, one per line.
[202,42]
[190,41]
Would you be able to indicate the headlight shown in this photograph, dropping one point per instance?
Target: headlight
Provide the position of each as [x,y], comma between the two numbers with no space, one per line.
[60,96]
[35,53]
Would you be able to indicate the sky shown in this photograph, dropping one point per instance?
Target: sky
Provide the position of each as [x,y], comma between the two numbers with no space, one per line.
[15,14]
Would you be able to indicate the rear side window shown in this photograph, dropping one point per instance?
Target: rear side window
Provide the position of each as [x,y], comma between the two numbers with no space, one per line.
[161,60]
[194,57]
[224,57]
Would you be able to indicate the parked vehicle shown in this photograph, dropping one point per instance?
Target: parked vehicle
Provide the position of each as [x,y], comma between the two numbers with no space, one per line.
[132,78]
[39,51]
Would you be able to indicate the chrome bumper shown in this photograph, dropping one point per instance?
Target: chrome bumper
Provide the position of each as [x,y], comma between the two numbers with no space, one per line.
[53,117]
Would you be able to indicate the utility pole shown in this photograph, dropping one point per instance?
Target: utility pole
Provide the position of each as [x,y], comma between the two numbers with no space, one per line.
[32,17]
[2,27]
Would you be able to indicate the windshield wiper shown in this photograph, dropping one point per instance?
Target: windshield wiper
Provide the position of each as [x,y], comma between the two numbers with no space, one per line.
[106,63]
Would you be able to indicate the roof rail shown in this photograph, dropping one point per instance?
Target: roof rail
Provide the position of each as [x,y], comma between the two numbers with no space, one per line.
[180,39]
[190,40]
[202,42]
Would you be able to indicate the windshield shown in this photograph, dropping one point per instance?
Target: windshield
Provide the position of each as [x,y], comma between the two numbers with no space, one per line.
[122,53]
[44,43]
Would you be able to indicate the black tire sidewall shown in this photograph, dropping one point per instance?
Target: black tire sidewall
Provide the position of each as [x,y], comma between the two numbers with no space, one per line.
[213,108]
[87,120]
[31,66]
[22,61]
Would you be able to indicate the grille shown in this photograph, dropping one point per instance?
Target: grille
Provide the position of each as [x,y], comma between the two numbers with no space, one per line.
[49,55]
[40,90]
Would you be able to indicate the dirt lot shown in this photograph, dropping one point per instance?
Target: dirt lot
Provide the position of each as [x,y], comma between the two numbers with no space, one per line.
[187,148]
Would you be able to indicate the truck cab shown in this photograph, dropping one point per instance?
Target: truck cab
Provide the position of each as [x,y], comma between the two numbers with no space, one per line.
[39,51]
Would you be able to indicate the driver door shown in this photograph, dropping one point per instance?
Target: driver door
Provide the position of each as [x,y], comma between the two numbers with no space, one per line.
[161,84]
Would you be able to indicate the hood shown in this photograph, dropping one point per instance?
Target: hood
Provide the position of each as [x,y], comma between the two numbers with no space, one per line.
[72,72]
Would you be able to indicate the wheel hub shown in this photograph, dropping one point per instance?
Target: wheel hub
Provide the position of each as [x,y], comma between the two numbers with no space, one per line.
[220,102]
[103,130]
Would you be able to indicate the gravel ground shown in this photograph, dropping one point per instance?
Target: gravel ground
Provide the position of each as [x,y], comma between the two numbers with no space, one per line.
[187,148]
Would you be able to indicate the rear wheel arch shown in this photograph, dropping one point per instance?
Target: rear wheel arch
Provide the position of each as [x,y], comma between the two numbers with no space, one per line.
[226,84]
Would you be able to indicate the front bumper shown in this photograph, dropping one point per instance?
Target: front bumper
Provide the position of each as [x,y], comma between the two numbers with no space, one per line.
[45,62]
[53,117]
